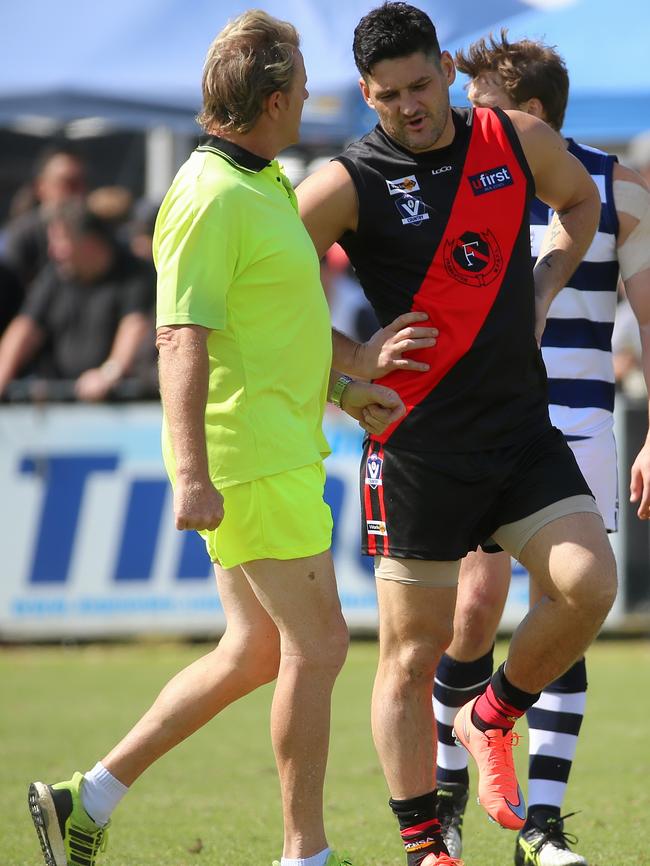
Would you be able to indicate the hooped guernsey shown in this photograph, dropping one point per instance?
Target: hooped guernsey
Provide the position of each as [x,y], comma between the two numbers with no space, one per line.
[446,232]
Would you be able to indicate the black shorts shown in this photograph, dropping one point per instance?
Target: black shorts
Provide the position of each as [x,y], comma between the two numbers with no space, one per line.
[418,505]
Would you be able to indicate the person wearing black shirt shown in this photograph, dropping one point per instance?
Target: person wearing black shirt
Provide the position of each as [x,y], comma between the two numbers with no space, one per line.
[87,313]
[432,209]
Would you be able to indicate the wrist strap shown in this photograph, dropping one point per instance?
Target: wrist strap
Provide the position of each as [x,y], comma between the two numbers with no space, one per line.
[337,391]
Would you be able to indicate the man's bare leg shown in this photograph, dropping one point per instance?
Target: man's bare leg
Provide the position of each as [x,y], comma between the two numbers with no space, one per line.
[482,592]
[463,673]
[415,628]
[247,656]
[571,563]
[301,597]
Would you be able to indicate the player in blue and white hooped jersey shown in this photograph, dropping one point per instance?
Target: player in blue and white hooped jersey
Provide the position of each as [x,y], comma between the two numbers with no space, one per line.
[576,348]
[577,341]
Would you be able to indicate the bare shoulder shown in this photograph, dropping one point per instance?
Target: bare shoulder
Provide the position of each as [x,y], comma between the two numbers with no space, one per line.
[331,180]
[531,128]
[328,204]
[539,141]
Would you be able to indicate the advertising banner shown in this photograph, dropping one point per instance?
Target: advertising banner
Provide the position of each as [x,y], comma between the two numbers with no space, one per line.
[89,547]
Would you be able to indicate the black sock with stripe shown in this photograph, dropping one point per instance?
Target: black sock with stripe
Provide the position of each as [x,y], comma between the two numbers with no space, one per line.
[419,827]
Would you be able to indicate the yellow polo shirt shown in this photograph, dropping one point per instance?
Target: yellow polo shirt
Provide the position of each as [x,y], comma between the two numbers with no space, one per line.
[232,255]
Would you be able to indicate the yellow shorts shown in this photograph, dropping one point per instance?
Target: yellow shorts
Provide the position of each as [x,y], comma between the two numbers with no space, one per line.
[280,516]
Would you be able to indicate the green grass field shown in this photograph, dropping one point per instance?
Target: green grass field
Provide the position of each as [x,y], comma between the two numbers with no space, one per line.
[62,708]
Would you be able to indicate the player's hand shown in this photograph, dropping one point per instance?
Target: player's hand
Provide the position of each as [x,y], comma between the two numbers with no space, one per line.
[384,351]
[92,385]
[375,407]
[640,482]
[197,505]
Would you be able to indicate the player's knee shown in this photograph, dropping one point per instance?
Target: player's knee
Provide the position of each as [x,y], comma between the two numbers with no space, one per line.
[594,587]
[416,661]
[474,629]
[260,661]
[322,650]
[268,665]
[335,645]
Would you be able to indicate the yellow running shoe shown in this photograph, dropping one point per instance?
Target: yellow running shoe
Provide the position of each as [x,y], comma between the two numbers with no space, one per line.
[498,790]
[67,833]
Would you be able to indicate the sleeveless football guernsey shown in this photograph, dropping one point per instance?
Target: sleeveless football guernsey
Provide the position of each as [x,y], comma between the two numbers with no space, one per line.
[447,232]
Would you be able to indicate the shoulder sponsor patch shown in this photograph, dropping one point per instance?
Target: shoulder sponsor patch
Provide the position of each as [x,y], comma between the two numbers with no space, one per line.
[403,184]
[490,180]
[376,527]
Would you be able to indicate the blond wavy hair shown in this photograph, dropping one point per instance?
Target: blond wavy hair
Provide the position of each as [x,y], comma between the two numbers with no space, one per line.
[251,58]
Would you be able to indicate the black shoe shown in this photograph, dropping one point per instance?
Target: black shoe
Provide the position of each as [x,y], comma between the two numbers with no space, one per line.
[543,842]
[451,803]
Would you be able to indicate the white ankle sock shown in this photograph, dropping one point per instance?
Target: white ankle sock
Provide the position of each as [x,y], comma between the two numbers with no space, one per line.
[100,793]
[316,860]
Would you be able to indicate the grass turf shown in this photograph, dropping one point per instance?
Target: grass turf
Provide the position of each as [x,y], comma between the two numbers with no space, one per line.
[215,800]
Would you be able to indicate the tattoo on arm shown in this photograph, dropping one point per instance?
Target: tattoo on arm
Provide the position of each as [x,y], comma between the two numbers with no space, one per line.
[546,260]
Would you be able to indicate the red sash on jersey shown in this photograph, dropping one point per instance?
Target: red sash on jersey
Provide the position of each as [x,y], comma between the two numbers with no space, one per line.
[467,271]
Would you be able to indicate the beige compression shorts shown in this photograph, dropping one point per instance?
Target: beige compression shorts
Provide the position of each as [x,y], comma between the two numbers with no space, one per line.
[512,537]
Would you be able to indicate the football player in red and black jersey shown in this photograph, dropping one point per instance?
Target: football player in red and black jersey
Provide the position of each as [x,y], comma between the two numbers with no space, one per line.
[432,209]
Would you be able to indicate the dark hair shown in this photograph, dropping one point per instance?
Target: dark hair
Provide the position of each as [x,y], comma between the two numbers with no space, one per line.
[45,156]
[527,68]
[393,30]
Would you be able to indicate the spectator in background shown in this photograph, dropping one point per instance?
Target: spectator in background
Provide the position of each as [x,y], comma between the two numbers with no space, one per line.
[139,231]
[59,176]
[113,204]
[137,235]
[11,295]
[349,310]
[88,311]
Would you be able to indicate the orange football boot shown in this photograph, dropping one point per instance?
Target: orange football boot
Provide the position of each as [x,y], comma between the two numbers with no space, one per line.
[441,860]
[498,790]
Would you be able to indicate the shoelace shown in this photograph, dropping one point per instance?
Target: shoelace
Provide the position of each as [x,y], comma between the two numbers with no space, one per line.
[85,846]
[554,832]
[501,750]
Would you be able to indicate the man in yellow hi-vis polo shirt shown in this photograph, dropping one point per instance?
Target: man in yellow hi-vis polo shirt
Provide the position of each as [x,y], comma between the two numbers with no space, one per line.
[245,351]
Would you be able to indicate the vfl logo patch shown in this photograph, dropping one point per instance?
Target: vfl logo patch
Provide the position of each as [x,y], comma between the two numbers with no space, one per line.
[474,258]
[491,180]
[376,527]
[373,471]
[411,209]
[403,184]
